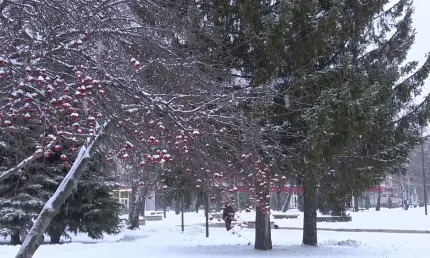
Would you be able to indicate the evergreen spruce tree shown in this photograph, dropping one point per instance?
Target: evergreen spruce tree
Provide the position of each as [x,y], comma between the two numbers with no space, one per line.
[23,194]
[343,107]
[92,208]
[344,100]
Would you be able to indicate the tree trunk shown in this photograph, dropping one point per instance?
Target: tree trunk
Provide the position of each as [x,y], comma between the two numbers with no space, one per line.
[177,206]
[55,236]
[278,200]
[182,214]
[263,237]
[15,239]
[132,205]
[310,213]
[135,220]
[64,190]
[378,202]
[206,201]
[164,206]
[356,196]
[133,216]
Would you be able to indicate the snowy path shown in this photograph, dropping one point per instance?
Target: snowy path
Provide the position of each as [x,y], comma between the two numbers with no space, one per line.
[170,242]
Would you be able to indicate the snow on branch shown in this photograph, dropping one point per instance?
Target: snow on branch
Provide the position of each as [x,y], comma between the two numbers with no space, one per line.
[25,162]
[64,190]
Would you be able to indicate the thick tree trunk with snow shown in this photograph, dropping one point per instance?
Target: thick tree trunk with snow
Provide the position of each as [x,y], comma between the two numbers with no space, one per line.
[137,206]
[134,223]
[134,210]
[263,236]
[310,213]
[132,205]
[64,190]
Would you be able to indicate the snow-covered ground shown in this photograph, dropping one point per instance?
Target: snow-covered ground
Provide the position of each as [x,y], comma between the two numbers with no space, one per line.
[413,219]
[164,239]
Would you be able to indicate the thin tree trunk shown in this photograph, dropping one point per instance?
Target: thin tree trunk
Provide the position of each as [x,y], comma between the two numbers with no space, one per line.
[164,206]
[15,239]
[182,214]
[263,237]
[378,202]
[64,190]
[310,213]
[132,202]
[356,196]
[278,200]
[206,201]
[177,206]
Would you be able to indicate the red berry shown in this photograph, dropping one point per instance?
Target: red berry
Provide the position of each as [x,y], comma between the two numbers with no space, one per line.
[46,155]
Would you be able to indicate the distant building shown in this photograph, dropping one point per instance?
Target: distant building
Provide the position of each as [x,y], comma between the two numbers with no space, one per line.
[123,197]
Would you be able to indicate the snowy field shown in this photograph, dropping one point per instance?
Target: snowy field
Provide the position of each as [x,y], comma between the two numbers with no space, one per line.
[164,239]
[412,219]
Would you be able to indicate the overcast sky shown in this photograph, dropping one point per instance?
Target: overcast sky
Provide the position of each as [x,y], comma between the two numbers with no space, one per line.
[422,39]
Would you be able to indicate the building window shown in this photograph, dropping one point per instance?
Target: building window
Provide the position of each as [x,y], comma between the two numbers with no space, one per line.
[124,194]
[124,202]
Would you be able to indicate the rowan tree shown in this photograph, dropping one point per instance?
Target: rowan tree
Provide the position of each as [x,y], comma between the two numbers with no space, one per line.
[64,74]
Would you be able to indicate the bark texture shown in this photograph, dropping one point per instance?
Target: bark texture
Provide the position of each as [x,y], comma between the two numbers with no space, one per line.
[310,213]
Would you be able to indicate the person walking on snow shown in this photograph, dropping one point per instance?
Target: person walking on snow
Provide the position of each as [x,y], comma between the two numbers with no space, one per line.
[228,215]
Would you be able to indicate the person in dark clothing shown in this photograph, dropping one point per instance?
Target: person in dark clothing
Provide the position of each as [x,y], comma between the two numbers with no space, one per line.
[228,215]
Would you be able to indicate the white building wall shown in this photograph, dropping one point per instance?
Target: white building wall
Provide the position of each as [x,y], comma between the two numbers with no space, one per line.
[150,201]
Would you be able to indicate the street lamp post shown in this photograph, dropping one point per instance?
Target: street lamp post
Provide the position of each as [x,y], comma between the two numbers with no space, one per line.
[424,174]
